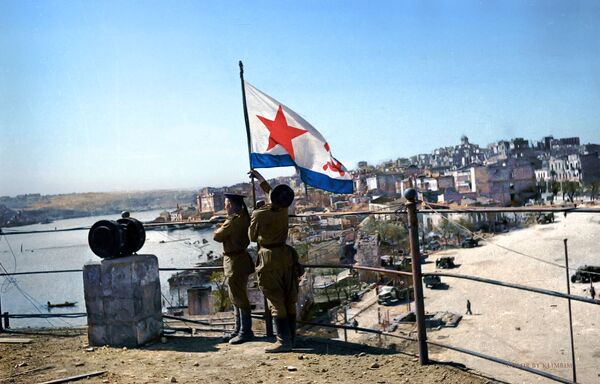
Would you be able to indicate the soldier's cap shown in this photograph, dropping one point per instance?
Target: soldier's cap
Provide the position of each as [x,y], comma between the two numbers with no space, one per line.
[235,198]
[282,196]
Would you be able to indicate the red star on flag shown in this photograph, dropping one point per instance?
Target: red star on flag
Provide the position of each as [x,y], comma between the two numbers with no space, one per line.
[281,133]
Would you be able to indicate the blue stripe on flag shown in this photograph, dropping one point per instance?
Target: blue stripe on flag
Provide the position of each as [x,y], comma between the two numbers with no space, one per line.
[321,181]
[312,178]
[265,160]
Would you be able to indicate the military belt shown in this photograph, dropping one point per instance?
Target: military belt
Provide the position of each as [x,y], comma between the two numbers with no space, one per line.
[235,253]
[274,245]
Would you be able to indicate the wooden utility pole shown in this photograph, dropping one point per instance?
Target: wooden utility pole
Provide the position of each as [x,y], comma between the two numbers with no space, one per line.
[570,314]
[413,231]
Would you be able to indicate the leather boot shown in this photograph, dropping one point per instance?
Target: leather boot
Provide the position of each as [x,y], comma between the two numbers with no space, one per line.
[246,333]
[292,324]
[236,327]
[284,342]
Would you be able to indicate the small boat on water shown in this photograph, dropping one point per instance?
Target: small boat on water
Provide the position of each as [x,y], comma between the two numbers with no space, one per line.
[61,305]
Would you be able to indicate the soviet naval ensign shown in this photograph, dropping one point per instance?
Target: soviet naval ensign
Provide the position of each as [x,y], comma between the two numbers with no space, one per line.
[279,137]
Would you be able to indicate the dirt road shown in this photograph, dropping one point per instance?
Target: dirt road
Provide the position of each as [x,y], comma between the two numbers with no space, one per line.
[518,326]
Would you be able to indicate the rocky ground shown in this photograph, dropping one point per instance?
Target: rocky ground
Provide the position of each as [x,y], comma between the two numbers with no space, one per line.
[204,359]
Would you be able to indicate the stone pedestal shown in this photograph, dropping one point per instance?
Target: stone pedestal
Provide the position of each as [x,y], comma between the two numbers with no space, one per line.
[122,299]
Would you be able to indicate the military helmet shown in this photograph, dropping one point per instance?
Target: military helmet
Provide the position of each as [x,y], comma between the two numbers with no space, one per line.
[282,196]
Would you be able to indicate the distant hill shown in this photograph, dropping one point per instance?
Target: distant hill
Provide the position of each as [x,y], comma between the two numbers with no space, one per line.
[33,208]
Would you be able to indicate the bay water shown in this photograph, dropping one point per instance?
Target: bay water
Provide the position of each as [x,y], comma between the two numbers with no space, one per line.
[25,294]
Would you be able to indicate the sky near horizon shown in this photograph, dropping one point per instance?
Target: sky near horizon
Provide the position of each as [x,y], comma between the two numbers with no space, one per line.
[135,95]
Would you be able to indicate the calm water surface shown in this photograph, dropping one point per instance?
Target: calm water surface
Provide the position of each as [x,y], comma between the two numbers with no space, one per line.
[69,250]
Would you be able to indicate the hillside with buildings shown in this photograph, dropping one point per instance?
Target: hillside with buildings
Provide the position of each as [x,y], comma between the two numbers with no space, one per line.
[513,172]
[504,173]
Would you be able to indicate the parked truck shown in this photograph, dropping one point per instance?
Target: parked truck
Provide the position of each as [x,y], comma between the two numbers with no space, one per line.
[586,274]
[388,296]
[445,262]
[545,218]
[469,243]
[432,281]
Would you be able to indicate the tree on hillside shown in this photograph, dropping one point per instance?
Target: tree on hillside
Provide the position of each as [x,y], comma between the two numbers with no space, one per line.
[554,188]
[541,187]
[449,229]
[571,189]
[465,229]
[592,189]
[444,229]
[390,233]
[220,295]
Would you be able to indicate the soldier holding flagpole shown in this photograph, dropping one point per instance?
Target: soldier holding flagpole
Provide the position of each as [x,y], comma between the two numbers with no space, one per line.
[276,263]
[279,137]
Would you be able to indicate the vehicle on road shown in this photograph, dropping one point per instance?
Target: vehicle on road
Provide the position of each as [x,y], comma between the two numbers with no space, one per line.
[586,274]
[469,243]
[445,263]
[390,295]
[432,281]
[387,296]
[545,218]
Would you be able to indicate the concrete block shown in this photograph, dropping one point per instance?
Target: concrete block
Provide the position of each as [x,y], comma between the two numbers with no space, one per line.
[147,328]
[122,334]
[105,282]
[120,309]
[151,299]
[98,335]
[145,273]
[95,310]
[91,274]
[121,280]
[123,301]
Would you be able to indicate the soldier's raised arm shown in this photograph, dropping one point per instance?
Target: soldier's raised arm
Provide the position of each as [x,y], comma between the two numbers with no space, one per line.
[264,185]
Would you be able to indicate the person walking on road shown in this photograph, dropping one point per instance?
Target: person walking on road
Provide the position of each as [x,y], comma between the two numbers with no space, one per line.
[469,308]
[592,291]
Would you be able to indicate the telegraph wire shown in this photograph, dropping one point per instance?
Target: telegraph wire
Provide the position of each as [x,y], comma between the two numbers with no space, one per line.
[27,296]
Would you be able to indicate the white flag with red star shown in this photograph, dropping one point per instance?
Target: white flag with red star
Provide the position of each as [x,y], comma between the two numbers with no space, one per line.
[279,137]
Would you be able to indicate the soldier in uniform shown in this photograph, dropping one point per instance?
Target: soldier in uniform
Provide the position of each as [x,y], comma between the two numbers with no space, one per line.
[237,265]
[277,262]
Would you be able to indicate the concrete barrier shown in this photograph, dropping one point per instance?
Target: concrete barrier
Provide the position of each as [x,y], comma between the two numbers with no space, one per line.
[122,299]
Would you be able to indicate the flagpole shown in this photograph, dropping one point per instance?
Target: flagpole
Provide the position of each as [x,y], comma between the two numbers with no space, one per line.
[268,316]
[247,131]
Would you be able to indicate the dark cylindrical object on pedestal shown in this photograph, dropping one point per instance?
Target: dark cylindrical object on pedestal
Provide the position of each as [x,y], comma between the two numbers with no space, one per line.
[108,238]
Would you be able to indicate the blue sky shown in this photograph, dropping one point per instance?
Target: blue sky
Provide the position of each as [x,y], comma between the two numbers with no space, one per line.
[125,95]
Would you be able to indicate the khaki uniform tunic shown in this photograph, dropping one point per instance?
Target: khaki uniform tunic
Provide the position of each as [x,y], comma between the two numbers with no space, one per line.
[275,265]
[237,264]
